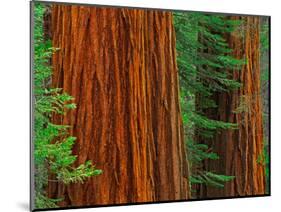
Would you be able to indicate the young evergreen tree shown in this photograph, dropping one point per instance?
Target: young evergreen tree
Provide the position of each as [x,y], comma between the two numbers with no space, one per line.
[202,53]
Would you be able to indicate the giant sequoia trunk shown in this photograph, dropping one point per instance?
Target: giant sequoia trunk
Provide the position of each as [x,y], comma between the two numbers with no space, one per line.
[241,150]
[120,66]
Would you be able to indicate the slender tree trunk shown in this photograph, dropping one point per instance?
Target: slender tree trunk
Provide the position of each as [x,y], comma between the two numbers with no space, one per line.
[241,150]
[120,66]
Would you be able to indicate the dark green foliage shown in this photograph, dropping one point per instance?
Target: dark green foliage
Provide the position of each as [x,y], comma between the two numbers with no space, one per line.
[205,66]
[266,164]
[203,52]
[52,143]
[210,179]
[264,35]
[200,152]
[41,201]
[264,43]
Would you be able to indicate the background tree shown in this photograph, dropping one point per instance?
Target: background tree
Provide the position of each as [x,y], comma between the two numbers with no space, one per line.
[241,151]
[120,67]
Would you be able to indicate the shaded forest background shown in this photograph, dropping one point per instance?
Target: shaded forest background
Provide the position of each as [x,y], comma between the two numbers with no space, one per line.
[143,106]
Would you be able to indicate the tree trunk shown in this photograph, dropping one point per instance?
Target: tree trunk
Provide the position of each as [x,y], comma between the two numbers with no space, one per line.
[241,150]
[120,66]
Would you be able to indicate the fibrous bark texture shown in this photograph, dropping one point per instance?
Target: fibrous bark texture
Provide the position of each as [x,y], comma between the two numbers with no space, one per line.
[120,66]
[240,150]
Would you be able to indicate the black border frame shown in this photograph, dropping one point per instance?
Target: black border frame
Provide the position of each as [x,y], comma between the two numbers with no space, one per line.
[31,102]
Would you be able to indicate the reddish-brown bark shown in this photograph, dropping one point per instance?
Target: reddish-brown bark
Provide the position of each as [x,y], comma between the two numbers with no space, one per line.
[120,66]
[241,150]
